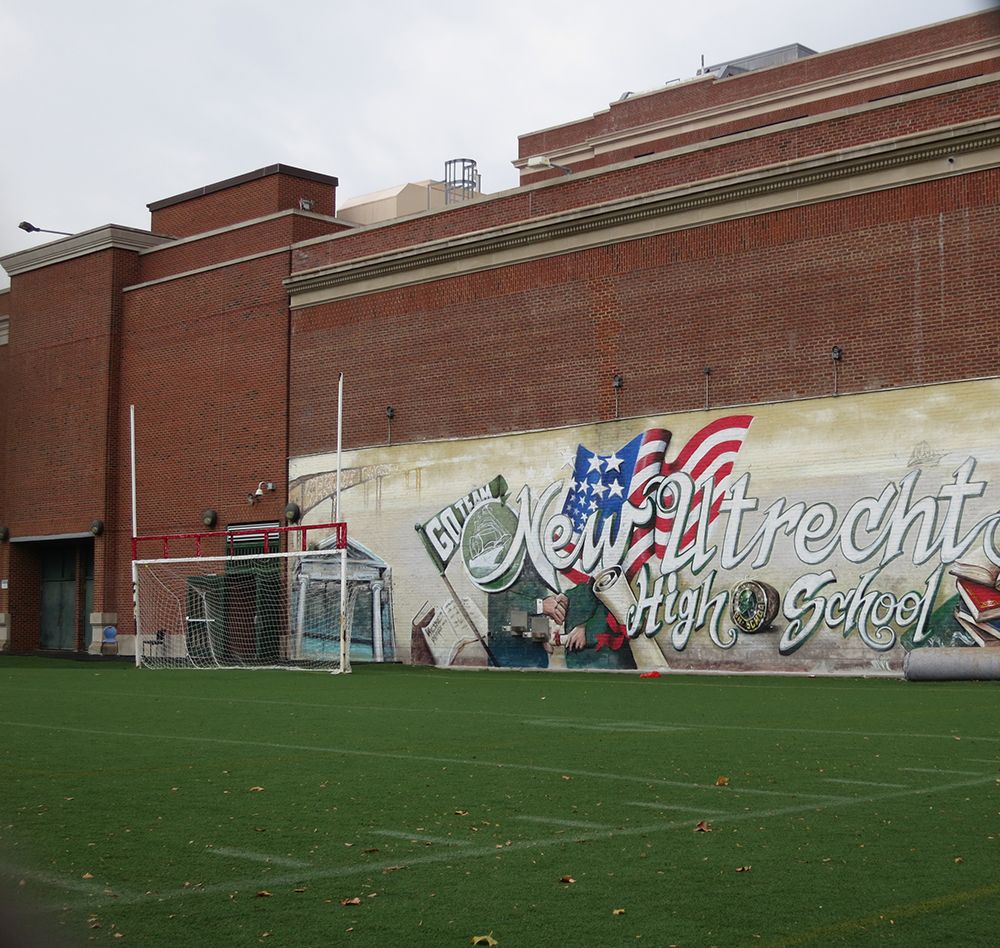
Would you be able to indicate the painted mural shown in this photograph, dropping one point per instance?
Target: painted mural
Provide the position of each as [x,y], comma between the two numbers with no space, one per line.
[824,536]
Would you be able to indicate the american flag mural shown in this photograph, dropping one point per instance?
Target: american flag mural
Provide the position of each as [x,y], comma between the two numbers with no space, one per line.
[603,483]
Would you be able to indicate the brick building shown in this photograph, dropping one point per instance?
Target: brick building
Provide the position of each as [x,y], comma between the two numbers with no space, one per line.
[815,237]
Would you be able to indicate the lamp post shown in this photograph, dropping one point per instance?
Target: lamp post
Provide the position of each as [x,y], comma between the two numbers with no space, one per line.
[543,161]
[32,229]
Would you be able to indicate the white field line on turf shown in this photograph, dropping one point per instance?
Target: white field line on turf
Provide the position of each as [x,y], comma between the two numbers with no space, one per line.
[617,727]
[91,889]
[423,710]
[554,821]
[449,856]
[867,783]
[982,760]
[425,758]
[698,811]
[422,838]
[258,857]
[939,770]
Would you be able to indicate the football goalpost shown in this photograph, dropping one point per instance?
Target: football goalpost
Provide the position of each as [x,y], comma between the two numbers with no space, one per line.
[243,599]
[236,599]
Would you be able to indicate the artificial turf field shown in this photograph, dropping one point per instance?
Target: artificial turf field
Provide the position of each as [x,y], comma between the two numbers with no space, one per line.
[232,808]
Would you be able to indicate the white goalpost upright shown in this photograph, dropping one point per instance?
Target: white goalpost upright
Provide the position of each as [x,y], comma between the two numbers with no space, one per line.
[345,647]
[243,598]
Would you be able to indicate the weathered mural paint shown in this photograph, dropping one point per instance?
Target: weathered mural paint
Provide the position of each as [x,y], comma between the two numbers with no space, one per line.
[823,536]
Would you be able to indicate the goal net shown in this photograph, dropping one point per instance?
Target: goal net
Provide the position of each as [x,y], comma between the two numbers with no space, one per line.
[208,608]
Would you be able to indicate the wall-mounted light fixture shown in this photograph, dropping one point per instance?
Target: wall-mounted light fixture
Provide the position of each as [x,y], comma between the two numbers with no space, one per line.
[836,355]
[617,383]
[544,161]
[708,375]
[209,518]
[390,413]
[305,204]
[97,527]
[259,492]
[4,534]
[292,512]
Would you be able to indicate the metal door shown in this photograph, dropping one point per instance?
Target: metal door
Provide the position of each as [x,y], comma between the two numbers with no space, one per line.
[59,610]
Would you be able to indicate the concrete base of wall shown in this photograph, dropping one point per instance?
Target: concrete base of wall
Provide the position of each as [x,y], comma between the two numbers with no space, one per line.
[952,664]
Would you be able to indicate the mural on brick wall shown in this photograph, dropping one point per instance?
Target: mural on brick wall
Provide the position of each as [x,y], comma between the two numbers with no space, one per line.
[822,536]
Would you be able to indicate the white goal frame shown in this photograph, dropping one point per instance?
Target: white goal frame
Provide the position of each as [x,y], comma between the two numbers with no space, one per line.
[240,610]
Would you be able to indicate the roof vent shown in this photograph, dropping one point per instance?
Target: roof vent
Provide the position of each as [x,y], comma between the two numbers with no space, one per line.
[772,57]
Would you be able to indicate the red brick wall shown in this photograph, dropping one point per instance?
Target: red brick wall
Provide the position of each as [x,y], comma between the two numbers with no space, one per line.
[25,599]
[206,369]
[62,320]
[62,361]
[898,278]
[707,94]
[242,202]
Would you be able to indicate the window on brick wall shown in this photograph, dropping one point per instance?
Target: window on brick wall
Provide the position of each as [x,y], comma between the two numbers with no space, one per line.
[4,330]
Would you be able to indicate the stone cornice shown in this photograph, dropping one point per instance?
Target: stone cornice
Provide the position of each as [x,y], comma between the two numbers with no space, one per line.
[253,222]
[895,163]
[108,237]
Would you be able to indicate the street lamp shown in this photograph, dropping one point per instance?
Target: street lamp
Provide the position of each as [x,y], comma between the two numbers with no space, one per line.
[32,229]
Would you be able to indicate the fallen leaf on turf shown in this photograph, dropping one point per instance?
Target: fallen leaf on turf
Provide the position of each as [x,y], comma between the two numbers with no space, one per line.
[256,790]
[618,911]
[87,875]
[743,868]
[389,869]
[374,849]
[301,888]
[703,827]
[487,940]
[348,845]
[959,859]
[566,777]
[119,935]
[263,894]
[372,895]
[461,813]
[354,901]
[722,782]
[567,880]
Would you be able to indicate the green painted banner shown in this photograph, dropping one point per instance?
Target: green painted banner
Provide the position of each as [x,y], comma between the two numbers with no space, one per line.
[442,534]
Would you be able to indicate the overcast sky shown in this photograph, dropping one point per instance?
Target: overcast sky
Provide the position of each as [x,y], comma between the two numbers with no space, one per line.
[111,104]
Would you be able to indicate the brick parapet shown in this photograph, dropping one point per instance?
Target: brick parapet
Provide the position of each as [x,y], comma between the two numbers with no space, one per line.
[700,162]
[241,199]
[709,93]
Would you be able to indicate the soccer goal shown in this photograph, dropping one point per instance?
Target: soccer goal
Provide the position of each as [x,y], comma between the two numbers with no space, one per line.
[242,599]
